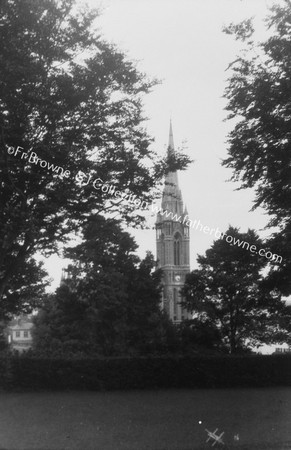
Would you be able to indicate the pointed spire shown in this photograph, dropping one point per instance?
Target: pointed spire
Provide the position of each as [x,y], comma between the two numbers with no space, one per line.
[171,147]
[171,193]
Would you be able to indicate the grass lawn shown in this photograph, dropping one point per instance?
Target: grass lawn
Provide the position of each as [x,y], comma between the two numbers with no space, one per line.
[138,420]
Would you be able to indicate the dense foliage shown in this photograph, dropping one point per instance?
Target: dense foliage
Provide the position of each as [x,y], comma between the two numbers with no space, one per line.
[259,99]
[228,290]
[109,305]
[72,100]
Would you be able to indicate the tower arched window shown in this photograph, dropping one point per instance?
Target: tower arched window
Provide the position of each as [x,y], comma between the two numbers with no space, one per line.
[168,228]
[159,232]
[177,249]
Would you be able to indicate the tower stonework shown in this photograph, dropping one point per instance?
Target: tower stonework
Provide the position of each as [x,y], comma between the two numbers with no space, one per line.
[173,242]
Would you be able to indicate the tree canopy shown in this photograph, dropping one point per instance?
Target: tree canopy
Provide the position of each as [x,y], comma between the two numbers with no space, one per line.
[71,100]
[228,291]
[110,304]
[259,99]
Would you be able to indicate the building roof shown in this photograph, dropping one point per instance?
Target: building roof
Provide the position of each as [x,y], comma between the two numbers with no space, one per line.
[21,326]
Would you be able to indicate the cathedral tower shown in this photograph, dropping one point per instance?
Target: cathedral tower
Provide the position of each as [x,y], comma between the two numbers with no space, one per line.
[172,237]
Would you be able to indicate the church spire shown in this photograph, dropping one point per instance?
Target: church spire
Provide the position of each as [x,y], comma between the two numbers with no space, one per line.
[172,197]
[172,240]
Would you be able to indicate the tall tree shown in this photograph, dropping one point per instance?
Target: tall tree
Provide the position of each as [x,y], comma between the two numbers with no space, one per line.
[60,327]
[71,124]
[259,99]
[228,291]
[114,297]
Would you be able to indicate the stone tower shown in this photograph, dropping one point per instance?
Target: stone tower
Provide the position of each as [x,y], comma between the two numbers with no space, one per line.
[172,237]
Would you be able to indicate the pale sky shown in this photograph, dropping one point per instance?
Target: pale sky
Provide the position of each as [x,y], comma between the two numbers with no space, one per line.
[181,42]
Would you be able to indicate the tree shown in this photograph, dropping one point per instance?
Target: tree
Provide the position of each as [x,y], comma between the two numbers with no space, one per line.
[146,323]
[114,298]
[60,328]
[228,291]
[259,99]
[25,290]
[71,120]
[199,336]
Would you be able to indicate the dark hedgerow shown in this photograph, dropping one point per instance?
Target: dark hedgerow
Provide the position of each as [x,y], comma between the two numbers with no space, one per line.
[32,373]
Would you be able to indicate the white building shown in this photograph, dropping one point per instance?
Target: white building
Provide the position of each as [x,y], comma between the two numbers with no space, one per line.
[19,333]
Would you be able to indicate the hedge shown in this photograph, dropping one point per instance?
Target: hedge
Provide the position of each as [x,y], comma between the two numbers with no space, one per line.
[23,372]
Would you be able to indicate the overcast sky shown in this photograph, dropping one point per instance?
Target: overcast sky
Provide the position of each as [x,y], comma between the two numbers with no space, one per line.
[181,42]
